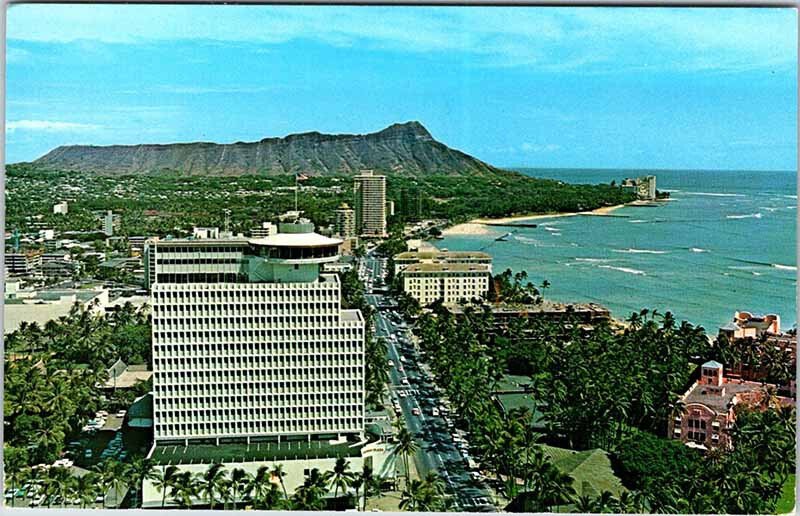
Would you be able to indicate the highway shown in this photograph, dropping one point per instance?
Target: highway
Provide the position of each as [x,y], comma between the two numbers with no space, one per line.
[437,449]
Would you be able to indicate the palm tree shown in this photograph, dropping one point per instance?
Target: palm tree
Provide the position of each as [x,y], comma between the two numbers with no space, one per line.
[371,484]
[164,479]
[277,471]
[210,483]
[356,484]
[87,488]
[141,469]
[184,487]
[240,483]
[406,446]
[412,497]
[309,496]
[106,472]
[342,477]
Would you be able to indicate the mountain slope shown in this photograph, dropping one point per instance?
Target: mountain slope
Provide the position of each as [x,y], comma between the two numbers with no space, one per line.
[407,149]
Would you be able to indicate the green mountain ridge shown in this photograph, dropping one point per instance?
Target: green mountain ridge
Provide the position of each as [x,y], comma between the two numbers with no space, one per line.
[405,149]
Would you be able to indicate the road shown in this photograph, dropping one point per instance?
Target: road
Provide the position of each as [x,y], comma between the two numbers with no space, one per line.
[437,450]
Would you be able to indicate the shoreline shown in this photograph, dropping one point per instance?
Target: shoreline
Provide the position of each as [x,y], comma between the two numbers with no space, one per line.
[484,226]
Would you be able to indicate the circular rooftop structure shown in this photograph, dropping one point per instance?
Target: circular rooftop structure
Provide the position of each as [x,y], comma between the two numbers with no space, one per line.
[296,242]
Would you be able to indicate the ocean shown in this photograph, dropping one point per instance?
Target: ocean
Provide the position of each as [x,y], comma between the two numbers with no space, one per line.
[726,241]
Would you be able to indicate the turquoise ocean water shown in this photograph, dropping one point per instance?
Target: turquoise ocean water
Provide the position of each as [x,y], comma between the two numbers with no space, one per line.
[725,242]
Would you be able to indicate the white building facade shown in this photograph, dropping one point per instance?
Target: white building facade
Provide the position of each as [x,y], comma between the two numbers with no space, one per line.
[450,282]
[250,341]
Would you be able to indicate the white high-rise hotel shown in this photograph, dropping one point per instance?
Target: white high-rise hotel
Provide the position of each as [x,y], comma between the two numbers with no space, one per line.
[250,341]
[370,200]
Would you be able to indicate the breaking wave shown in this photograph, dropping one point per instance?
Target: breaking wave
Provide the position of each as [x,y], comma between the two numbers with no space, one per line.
[638,251]
[698,250]
[784,267]
[748,216]
[712,194]
[627,270]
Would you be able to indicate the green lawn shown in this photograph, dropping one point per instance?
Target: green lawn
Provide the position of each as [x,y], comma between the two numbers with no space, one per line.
[591,470]
[786,503]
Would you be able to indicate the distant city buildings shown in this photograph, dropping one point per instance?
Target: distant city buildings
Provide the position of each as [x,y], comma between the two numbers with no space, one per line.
[61,208]
[345,222]
[111,222]
[265,230]
[27,263]
[708,407]
[370,204]
[643,187]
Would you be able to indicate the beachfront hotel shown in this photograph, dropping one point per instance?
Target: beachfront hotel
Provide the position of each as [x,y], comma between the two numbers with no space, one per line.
[708,407]
[370,199]
[250,341]
[449,276]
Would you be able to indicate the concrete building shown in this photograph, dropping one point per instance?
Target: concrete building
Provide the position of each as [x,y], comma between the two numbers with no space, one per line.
[747,324]
[111,223]
[41,306]
[450,282]
[403,260]
[61,208]
[370,200]
[643,187]
[709,407]
[47,234]
[28,263]
[205,233]
[345,222]
[266,229]
[250,341]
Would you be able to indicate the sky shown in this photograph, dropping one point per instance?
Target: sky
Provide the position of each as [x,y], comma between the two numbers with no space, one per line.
[524,86]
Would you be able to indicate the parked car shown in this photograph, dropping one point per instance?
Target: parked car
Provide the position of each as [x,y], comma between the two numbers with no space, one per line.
[415,411]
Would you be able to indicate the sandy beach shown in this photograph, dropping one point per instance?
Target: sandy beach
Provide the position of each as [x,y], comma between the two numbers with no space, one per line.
[484,226]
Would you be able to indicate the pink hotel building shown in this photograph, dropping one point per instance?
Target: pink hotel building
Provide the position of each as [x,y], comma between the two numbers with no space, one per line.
[708,413]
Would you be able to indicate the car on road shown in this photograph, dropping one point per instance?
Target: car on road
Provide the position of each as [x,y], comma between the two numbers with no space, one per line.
[391,363]
[415,411]
[435,412]
[401,369]
[404,381]
[403,394]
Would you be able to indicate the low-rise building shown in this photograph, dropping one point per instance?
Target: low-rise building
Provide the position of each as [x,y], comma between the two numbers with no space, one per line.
[449,282]
[345,222]
[747,324]
[708,414]
[41,306]
[267,229]
[28,263]
[403,260]
[643,187]
[61,208]
[587,314]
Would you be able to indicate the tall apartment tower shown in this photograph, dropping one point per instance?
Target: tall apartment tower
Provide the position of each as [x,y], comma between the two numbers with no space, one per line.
[370,201]
[250,341]
[345,222]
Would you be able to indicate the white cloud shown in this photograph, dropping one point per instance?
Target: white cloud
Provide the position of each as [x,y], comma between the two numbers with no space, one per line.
[555,39]
[533,147]
[50,126]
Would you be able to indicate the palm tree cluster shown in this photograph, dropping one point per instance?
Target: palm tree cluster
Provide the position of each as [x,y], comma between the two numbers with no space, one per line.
[53,386]
[427,494]
[597,388]
[265,489]
[757,358]
[668,477]
[513,288]
[60,486]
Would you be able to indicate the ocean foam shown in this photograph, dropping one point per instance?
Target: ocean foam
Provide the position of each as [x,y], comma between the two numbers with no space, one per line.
[784,267]
[712,194]
[623,269]
[637,221]
[748,216]
[638,251]
[551,229]
[698,250]
[594,260]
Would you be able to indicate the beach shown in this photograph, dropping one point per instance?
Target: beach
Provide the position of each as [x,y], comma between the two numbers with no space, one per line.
[484,226]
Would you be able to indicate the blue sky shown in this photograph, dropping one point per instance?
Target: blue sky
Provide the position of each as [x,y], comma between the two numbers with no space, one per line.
[539,87]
